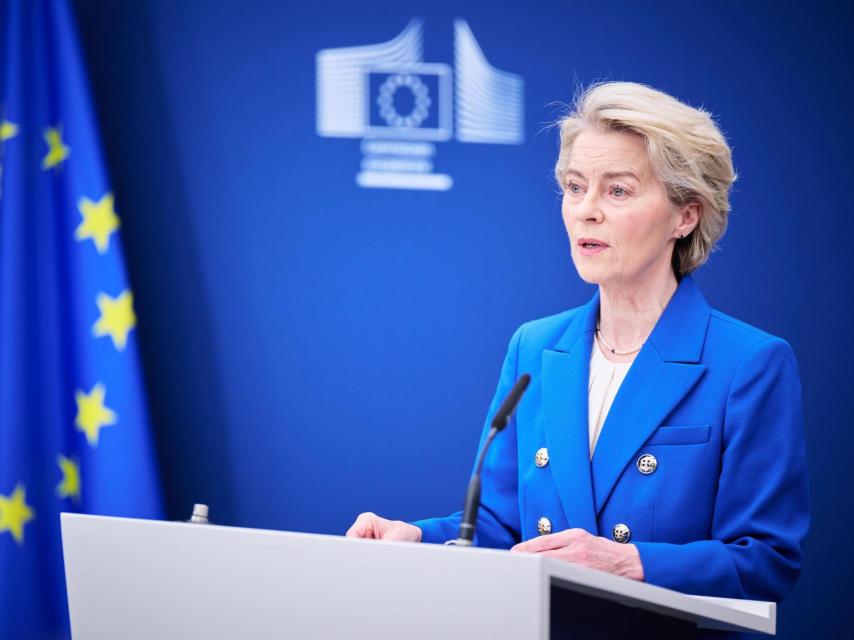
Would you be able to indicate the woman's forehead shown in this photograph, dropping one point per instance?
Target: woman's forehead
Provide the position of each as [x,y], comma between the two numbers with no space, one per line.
[609,152]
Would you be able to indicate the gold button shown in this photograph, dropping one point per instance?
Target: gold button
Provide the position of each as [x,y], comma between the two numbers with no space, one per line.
[544,526]
[542,457]
[647,464]
[621,533]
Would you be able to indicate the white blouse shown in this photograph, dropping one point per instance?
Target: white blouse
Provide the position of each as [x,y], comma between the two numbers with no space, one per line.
[605,380]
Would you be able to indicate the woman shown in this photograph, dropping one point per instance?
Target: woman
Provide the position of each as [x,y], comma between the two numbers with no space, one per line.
[696,481]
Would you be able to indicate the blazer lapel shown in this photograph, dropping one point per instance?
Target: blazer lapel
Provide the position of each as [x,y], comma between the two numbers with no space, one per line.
[565,375]
[666,368]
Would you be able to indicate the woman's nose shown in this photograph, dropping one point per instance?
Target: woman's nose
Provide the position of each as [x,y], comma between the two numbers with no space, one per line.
[588,210]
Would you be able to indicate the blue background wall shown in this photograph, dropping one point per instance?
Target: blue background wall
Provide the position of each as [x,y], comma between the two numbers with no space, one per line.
[314,349]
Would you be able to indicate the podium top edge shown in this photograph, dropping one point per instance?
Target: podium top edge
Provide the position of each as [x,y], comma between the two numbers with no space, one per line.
[745,614]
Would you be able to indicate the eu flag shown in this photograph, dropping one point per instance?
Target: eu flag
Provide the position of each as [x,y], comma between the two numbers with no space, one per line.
[74,433]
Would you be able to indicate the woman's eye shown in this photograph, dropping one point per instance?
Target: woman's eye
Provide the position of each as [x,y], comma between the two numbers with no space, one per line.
[619,191]
[573,187]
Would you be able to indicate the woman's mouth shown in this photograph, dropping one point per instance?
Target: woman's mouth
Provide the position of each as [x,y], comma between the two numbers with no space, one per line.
[591,246]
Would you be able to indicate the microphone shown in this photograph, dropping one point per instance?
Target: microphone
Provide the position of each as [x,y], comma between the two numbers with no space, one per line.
[499,421]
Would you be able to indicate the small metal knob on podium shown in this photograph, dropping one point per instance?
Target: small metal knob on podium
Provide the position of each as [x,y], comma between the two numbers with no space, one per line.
[200,514]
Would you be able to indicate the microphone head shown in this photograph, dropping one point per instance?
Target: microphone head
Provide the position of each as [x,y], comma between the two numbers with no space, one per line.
[509,405]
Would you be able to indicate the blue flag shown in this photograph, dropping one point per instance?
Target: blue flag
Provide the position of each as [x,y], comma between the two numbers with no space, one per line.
[74,433]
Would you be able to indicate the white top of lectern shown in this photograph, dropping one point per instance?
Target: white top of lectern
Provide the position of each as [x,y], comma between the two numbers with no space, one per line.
[142,579]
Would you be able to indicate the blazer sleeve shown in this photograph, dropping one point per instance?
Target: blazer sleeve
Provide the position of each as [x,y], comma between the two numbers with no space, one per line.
[761,513]
[498,521]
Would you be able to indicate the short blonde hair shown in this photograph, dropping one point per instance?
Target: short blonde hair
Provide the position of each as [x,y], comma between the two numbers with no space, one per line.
[687,151]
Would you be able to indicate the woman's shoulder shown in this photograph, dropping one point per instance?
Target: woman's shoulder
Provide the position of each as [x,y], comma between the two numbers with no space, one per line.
[747,352]
[731,334]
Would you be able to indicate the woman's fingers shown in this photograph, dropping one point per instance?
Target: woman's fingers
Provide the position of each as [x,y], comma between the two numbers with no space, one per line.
[370,525]
[363,527]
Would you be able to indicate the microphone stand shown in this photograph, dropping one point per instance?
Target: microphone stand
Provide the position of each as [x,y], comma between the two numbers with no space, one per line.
[467,525]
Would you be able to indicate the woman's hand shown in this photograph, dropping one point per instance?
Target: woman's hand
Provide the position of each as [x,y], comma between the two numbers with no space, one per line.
[580,547]
[370,525]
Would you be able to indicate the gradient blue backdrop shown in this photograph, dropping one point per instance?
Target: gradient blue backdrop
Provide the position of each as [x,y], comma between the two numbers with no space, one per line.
[314,349]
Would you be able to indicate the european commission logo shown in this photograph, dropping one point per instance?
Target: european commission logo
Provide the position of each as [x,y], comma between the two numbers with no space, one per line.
[401,106]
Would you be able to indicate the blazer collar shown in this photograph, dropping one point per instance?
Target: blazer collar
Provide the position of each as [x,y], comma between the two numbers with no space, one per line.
[666,368]
[678,336]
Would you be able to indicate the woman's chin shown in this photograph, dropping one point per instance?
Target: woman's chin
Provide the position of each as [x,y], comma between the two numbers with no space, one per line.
[590,275]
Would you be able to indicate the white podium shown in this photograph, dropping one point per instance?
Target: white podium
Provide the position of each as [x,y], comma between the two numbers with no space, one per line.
[144,579]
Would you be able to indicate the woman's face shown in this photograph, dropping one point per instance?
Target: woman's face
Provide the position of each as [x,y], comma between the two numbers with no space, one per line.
[612,196]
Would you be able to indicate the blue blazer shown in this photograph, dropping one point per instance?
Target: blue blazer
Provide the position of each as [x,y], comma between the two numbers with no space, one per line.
[715,400]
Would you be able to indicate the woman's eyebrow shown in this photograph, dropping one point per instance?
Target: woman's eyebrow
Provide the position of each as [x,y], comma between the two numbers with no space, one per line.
[607,175]
[621,174]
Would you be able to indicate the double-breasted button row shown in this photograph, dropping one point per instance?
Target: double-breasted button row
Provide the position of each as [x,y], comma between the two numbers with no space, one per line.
[646,464]
[541,459]
[621,533]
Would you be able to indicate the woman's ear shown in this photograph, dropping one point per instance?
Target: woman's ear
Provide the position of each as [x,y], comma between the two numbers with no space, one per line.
[689,219]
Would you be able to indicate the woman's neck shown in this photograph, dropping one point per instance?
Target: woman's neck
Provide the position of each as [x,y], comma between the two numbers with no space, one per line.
[628,312]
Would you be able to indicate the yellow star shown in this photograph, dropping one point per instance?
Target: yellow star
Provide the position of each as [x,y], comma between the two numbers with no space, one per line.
[92,415]
[8,130]
[69,487]
[15,513]
[99,221]
[56,150]
[117,318]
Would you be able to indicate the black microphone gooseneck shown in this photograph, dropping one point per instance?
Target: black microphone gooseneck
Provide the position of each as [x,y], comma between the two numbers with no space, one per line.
[499,421]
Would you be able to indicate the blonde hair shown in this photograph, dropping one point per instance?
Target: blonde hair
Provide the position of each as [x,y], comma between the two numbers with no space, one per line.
[687,151]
